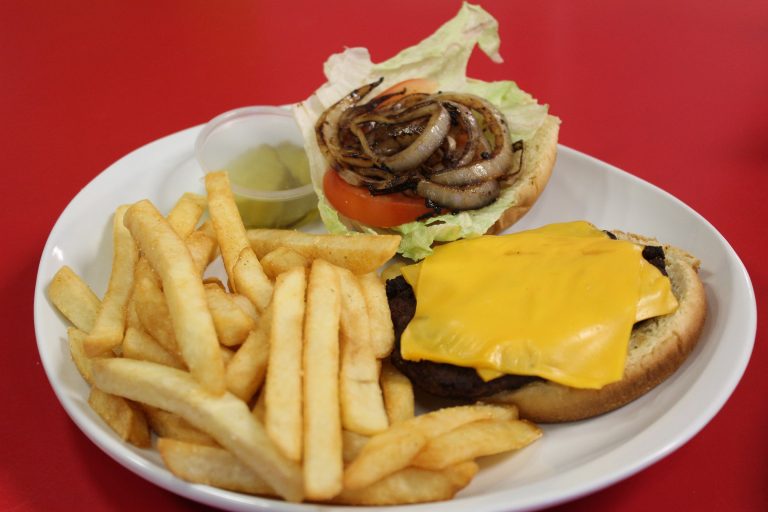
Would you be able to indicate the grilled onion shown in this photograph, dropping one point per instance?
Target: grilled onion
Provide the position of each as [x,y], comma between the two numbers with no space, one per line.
[452,149]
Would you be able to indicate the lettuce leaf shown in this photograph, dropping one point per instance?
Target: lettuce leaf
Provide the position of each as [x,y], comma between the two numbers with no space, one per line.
[442,57]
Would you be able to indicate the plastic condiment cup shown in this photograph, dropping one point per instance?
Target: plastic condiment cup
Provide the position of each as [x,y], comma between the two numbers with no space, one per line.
[262,150]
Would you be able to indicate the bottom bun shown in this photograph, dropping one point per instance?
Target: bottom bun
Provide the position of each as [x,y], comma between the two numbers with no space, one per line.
[657,348]
[539,155]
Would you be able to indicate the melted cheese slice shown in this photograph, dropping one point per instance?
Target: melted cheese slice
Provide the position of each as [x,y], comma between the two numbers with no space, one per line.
[557,302]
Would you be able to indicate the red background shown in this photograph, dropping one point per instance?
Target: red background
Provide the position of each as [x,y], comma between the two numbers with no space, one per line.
[674,92]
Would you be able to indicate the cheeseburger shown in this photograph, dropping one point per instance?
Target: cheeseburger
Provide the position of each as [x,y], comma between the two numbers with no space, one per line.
[565,321]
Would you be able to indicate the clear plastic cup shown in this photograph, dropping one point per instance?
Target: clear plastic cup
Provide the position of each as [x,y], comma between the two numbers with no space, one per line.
[263,151]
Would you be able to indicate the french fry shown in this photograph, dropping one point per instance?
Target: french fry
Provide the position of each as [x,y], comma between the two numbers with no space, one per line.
[246,305]
[398,394]
[74,299]
[202,246]
[412,485]
[152,308]
[359,253]
[231,323]
[226,354]
[248,367]
[76,338]
[323,463]
[395,448]
[283,400]
[186,213]
[209,465]
[251,281]
[230,231]
[281,259]
[184,294]
[362,404]
[225,417]
[137,344]
[122,416]
[382,331]
[352,444]
[383,455]
[107,332]
[259,408]
[148,302]
[131,316]
[167,424]
[476,439]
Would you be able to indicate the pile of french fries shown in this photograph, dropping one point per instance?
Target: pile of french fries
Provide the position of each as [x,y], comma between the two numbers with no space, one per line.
[275,383]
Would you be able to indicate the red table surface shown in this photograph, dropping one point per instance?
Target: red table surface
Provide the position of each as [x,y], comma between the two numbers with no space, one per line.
[673,92]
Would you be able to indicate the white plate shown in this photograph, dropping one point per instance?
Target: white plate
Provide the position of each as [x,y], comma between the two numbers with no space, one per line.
[570,460]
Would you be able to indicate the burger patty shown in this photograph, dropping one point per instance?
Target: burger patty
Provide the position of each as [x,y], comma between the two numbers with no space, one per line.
[439,379]
[448,380]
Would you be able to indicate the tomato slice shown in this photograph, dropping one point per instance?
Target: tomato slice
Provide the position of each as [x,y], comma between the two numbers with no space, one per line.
[358,203]
[405,87]
[383,211]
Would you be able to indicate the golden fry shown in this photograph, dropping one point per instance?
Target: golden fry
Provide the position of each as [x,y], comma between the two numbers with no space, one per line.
[359,253]
[251,281]
[231,322]
[107,332]
[382,455]
[412,485]
[476,439]
[230,231]
[323,463]
[282,259]
[74,299]
[380,318]
[186,213]
[395,448]
[202,246]
[76,339]
[122,416]
[398,394]
[352,443]
[137,344]
[362,404]
[248,367]
[246,305]
[210,465]
[283,400]
[151,307]
[167,424]
[184,294]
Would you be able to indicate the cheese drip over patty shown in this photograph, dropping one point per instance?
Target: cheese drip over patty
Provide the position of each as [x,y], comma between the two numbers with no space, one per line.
[557,302]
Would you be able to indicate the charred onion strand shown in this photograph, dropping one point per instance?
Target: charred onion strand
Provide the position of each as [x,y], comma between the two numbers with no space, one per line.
[498,162]
[469,197]
[468,123]
[452,149]
[327,124]
[420,149]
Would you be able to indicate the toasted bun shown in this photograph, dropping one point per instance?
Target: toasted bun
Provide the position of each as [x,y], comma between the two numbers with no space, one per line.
[538,160]
[657,348]
[539,155]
